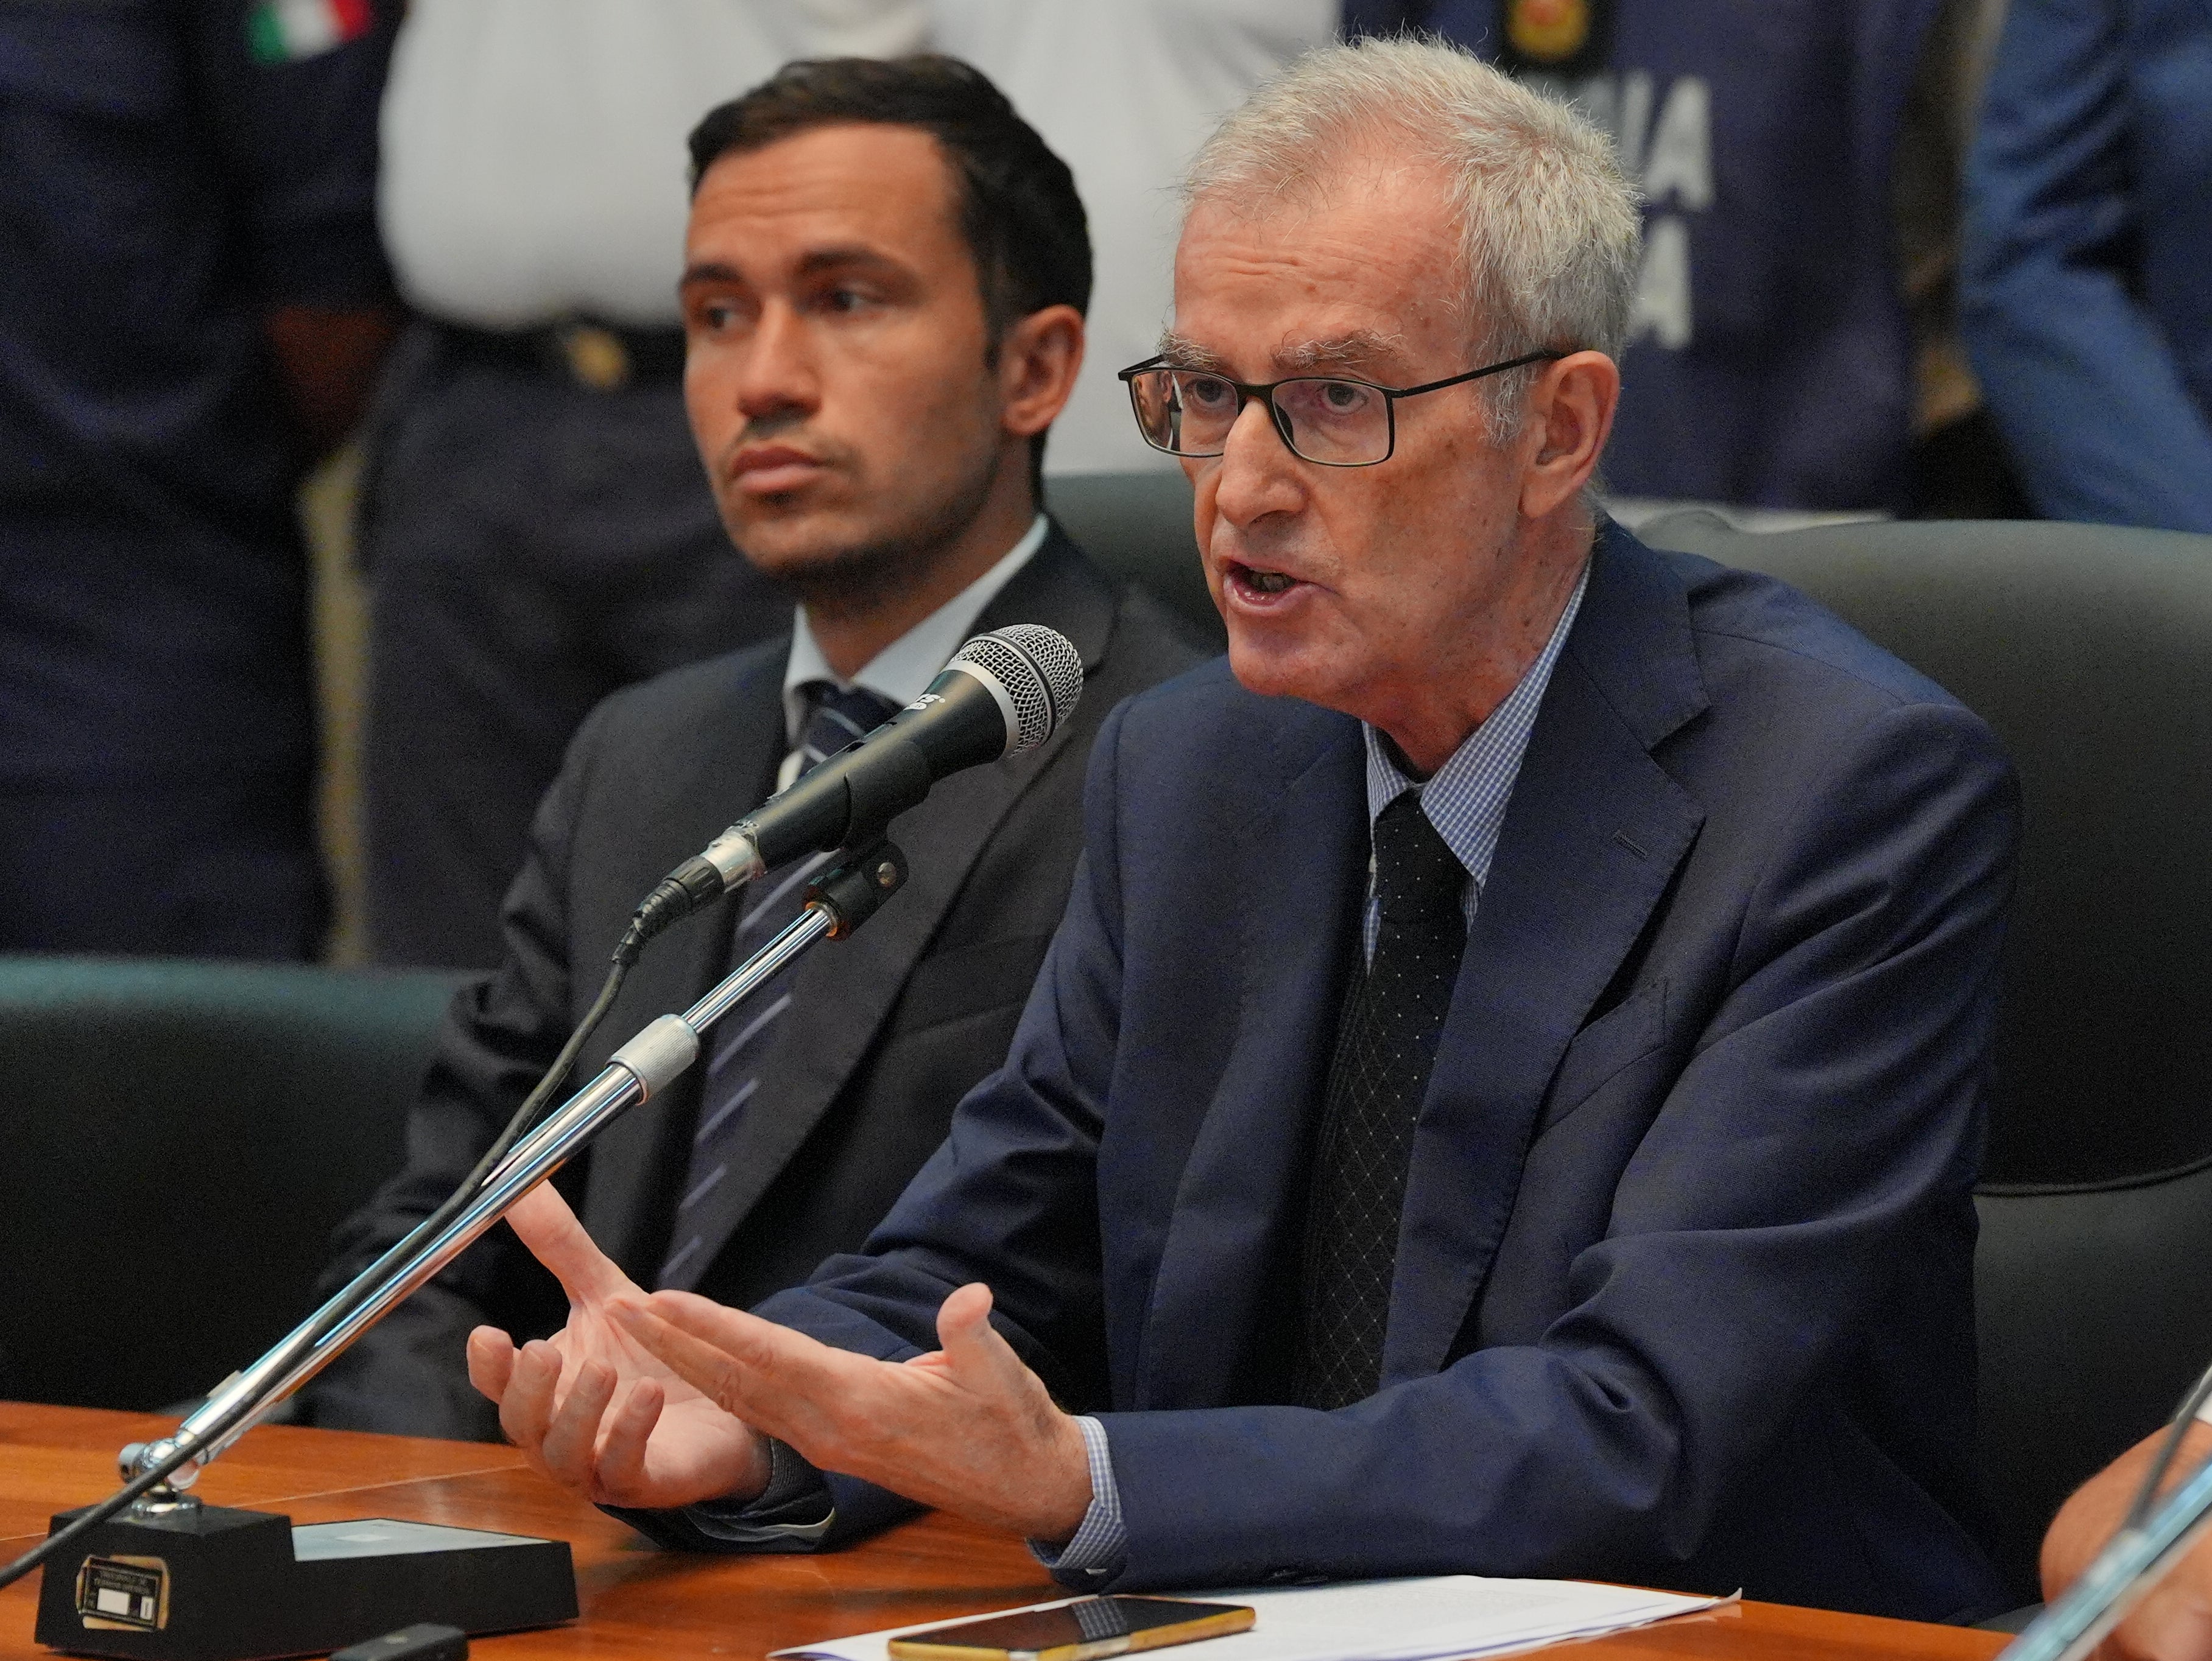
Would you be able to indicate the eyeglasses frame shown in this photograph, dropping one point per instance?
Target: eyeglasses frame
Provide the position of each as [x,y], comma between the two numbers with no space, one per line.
[1265,392]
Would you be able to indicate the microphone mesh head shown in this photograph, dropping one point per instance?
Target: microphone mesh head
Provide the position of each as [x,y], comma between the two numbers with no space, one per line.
[1039,670]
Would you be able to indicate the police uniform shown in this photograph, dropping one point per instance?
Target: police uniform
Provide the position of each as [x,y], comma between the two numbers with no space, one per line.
[169,172]
[537,527]
[1769,358]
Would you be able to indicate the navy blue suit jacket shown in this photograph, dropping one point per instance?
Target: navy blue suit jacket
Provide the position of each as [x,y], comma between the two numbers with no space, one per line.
[1684,1287]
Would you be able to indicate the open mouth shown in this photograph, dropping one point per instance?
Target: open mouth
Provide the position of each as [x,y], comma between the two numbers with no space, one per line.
[1257,586]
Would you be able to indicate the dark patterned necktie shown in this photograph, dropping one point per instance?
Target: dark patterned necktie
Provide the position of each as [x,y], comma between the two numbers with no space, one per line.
[1386,1044]
[706,1213]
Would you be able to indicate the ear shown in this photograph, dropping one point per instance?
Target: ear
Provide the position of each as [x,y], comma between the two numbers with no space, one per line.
[1569,414]
[1037,361]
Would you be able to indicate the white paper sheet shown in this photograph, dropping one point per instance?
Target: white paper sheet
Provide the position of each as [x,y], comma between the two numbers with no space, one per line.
[1452,1615]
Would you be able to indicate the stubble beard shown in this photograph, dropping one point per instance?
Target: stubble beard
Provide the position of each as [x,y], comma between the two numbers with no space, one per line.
[857,577]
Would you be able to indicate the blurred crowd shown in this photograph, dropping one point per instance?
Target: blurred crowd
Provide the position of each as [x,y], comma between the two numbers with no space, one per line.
[1933,257]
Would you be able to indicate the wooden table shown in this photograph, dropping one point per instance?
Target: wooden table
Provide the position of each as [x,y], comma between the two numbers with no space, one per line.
[640,1602]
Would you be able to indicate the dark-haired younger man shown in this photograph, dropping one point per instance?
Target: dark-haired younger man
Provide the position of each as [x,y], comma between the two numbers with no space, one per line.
[886,276]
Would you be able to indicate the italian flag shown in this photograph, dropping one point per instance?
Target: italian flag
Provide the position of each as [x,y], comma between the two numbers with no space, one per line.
[285,31]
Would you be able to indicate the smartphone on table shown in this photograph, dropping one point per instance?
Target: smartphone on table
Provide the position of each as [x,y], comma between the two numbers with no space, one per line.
[1084,1630]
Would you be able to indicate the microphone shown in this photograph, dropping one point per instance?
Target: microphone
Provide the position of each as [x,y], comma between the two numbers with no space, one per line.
[1003,693]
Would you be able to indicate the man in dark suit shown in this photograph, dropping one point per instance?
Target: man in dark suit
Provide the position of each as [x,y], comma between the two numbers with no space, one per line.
[886,272]
[1505,1093]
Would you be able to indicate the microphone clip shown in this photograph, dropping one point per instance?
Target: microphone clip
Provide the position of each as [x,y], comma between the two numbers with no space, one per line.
[854,889]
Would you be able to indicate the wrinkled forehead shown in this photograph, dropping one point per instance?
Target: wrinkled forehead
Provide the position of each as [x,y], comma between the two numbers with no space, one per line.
[1359,273]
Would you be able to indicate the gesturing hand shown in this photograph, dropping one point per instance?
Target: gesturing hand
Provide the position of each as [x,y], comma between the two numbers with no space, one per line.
[967,1428]
[592,1408]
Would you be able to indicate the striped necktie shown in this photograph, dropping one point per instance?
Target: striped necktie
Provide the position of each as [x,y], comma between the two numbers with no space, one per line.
[706,1215]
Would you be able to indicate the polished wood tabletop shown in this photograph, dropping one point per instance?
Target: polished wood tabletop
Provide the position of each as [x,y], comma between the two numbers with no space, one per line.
[640,1602]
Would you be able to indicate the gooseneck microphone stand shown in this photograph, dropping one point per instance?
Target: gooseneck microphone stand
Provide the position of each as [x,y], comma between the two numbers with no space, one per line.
[169,1580]
[647,1063]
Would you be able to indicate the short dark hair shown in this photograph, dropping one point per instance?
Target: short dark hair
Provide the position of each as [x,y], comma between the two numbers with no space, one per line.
[1017,208]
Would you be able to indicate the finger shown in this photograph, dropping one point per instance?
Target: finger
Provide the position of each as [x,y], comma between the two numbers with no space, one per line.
[526,1407]
[765,1354]
[700,1364]
[491,1361]
[574,1435]
[543,1221]
[628,1429]
[751,1368]
[978,1356]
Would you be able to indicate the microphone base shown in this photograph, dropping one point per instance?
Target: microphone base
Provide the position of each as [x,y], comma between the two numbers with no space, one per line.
[209,1583]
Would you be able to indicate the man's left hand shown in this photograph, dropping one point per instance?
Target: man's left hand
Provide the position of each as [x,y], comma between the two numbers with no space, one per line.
[967,1428]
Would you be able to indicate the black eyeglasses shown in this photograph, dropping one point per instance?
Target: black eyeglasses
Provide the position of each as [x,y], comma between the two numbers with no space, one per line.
[1329,420]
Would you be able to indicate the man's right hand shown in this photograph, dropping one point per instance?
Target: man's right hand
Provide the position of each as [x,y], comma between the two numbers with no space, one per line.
[2173,1621]
[593,1409]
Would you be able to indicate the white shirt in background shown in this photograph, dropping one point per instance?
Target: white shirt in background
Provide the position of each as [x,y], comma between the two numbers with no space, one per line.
[533,160]
[1124,91]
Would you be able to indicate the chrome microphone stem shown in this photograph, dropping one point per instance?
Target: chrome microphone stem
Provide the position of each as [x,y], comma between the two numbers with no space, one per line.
[793,939]
[2127,1568]
[656,1055]
[213,1426]
[813,923]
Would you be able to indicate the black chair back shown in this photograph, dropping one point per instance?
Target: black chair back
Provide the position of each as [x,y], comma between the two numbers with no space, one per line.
[179,1140]
[2089,650]
[1138,526]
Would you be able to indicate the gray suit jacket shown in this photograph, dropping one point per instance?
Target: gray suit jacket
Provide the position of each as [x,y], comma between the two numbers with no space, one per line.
[887,1031]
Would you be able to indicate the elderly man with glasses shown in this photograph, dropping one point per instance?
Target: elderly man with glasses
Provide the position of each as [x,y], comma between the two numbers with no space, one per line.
[1504,1094]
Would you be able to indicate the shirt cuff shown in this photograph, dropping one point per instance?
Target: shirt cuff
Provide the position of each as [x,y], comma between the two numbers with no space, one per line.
[1096,1553]
[792,1513]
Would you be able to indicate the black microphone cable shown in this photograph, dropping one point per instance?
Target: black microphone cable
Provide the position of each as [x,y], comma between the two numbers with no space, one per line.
[2168,1449]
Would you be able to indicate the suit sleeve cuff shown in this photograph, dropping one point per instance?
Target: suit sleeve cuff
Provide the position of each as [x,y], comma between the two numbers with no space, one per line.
[793,1512]
[1094,1556]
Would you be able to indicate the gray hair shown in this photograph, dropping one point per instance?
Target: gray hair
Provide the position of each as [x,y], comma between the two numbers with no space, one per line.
[1550,221]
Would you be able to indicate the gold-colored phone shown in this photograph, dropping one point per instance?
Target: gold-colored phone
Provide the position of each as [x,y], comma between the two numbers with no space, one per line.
[1084,1630]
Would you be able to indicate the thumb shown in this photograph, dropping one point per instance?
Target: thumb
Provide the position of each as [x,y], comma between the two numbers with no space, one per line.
[973,1350]
[543,1222]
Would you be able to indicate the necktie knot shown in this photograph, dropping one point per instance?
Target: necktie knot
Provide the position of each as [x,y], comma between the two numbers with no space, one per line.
[834,716]
[1417,875]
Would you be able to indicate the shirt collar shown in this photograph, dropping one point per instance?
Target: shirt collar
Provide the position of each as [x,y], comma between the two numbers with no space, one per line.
[902,671]
[1465,799]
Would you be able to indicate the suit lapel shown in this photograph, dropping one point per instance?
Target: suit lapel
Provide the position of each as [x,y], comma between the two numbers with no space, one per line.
[844,990]
[636,1163]
[1591,839]
[1245,1172]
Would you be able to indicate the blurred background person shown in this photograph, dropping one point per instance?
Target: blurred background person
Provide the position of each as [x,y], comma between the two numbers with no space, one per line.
[1794,343]
[2088,239]
[192,303]
[535,523]
[1124,92]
